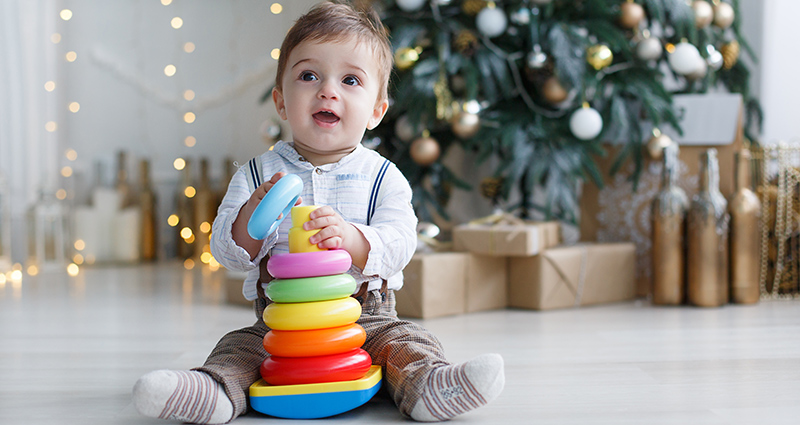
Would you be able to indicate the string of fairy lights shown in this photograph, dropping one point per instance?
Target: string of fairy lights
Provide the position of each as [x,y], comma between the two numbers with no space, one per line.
[187,117]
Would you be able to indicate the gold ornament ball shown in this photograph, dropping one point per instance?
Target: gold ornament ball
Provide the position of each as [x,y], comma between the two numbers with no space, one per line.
[472,7]
[425,150]
[599,56]
[655,146]
[724,15]
[553,91]
[631,14]
[406,57]
[466,124]
[703,13]
[730,54]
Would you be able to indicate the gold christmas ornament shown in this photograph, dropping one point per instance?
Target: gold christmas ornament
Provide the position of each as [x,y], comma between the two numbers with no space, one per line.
[465,42]
[730,54]
[466,124]
[553,91]
[657,143]
[724,15]
[631,14]
[406,57]
[425,150]
[473,7]
[599,56]
[703,13]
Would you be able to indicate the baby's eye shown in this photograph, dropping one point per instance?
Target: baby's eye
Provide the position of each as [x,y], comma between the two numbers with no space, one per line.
[308,76]
[351,80]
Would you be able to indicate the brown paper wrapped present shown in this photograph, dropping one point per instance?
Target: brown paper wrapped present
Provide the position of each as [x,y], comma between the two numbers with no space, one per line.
[447,283]
[507,239]
[573,276]
[434,285]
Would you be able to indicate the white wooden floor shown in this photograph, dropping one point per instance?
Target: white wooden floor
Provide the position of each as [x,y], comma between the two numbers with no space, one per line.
[71,349]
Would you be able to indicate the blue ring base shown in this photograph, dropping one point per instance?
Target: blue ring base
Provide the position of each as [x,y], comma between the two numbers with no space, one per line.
[312,406]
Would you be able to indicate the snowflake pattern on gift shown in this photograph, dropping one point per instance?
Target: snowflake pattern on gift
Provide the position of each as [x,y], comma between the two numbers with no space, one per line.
[625,215]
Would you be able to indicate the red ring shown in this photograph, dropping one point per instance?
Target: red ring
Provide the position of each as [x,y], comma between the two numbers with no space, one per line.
[312,370]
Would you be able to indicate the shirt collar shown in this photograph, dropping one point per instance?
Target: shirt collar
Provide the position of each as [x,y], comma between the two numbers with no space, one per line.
[287,151]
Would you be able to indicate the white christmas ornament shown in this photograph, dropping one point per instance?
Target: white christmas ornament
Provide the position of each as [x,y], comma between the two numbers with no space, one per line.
[685,59]
[410,5]
[586,123]
[491,22]
[649,49]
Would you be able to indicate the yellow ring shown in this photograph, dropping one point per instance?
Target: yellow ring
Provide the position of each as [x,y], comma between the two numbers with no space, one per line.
[313,315]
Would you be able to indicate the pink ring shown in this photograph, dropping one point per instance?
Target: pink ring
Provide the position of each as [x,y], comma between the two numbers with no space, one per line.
[309,264]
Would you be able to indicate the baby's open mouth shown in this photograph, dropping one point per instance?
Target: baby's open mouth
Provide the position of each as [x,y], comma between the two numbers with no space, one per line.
[326,117]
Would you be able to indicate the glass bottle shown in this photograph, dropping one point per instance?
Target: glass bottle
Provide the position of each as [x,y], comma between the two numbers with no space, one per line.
[147,208]
[669,220]
[745,211]
[204,211]
[183,209]
[122,186]
[707,253]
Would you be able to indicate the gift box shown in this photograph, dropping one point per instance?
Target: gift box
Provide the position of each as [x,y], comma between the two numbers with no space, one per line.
[521,239]
[434,284]
[573,276]
[618,213]
[487,278]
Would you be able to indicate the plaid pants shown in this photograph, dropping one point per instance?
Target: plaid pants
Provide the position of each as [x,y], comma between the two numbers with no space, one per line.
[406,351]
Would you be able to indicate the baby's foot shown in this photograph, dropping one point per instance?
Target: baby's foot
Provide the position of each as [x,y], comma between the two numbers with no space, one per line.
[187,396]
[456,389]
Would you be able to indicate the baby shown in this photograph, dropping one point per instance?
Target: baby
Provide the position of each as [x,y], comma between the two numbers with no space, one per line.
[331,86]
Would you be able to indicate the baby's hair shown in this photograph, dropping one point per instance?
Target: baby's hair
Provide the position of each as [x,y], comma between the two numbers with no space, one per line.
[333,21]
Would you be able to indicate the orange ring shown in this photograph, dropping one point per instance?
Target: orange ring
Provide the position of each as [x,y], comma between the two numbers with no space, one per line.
[315,342]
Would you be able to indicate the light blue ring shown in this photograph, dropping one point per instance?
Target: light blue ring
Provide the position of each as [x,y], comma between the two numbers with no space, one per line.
[279,200]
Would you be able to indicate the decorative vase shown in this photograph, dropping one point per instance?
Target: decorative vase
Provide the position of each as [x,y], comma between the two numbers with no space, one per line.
[707,253]
[669,219]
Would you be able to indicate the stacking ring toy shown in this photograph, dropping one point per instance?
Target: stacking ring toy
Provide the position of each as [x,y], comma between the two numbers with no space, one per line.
[316,342]
[298,237]
[279,200]
[316,315]
[309,289]
[353,364]
[309,264]
[313,401]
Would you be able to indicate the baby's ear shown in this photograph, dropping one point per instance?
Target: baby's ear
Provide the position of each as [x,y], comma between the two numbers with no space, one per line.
[280,106]
[377,113]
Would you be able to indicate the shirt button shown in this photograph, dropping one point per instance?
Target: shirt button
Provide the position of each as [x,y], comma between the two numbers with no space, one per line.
[302,159]
[319,171]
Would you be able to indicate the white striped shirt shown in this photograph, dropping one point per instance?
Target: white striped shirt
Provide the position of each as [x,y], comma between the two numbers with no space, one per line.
[345,186]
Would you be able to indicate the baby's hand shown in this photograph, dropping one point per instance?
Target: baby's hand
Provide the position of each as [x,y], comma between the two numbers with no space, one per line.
[334,233]
[258,195]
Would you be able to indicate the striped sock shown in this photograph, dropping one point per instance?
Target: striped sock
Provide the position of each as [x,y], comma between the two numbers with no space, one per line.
[187,396]
[456,389]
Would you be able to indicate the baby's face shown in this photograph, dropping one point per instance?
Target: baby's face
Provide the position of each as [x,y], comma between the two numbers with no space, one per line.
[330,96]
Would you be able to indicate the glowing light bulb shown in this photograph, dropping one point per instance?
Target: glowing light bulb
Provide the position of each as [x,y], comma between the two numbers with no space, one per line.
[33,270]
[275,54]
[173,220]
[77,259]
[80,245]
[205,227]
[205,257]
[50,86]
[55,38]
[66,171]
[188,95]
[188,264]
[170,70]
[188,47]
[71,56]
[179,163]
[71,154]
[190,191]
[276,8]
[186,233]
[166,2]
[65,14]
[190,141]
[73,269]
[176,22]
[74,107]
[189,117]
[51,126]
[61,194]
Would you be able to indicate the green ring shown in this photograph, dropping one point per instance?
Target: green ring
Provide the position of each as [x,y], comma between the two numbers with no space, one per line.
[310,289]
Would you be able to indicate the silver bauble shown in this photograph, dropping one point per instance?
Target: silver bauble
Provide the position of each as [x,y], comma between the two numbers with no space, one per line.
[649,49]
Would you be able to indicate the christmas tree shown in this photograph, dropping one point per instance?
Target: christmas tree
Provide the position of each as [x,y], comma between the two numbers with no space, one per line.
[541,84]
